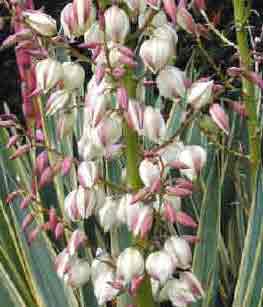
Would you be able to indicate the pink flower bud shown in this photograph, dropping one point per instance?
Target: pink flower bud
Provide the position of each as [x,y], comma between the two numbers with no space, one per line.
[20,151]
[46,177]
[140,195]
[170,9]
[41,162]
[135,285]
[178,191]
[118,72]
[11,196]
[77,239]
[52,219]
[33,234]
[185,219]
[59,231]
[200,4]
[180,252]
[191,239]
[156,53]
[219,117]
[122,98]
[48,73]
[239,108]
[130,264]
[171,82]
[12,141]
[26,201]
[153,124]
[66,165]
[117,24]
[159,265]
[155,4]
[21,35]
[100,73]
[27,221]
[184,19]
[126,60]
[42,23]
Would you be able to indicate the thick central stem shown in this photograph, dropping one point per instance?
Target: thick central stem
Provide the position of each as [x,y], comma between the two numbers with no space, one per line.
[144,297]
[241,15]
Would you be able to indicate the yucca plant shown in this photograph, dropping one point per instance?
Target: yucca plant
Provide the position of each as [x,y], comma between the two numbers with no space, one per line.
[142,187]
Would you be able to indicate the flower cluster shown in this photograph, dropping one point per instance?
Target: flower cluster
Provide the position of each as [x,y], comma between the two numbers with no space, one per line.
[127,43]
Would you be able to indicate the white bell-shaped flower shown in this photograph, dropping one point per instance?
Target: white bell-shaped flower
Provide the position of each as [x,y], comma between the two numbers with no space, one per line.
[130,264]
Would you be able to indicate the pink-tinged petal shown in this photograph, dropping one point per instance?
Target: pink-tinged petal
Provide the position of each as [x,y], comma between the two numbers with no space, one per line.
[41,162]
[11,196]
[169,212]
[135,284]
[140,195]
[238,107]
[122,98]
[59,231]
[178,191]
[46,177]
[170,9]
[66,165]
[185,184]
[52,219]
[99,73]
[20,151]
[200,4]
[33,234]
[178,165]
[185,219]
[219,117]
[26,201]
[12,141]
[27,221]
[254,78]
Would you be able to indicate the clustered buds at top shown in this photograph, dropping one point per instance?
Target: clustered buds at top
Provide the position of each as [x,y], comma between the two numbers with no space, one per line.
[117,24]
[41,22]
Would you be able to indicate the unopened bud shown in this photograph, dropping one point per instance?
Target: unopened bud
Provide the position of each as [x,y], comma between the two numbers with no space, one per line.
[220,118]
[66,165]
[117,24]
[46,177]
[77,239]
[20,152]
[170,9]
[12,141]
[59,231]
[41,23]
[184,19]
[122,98]
[27,221]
